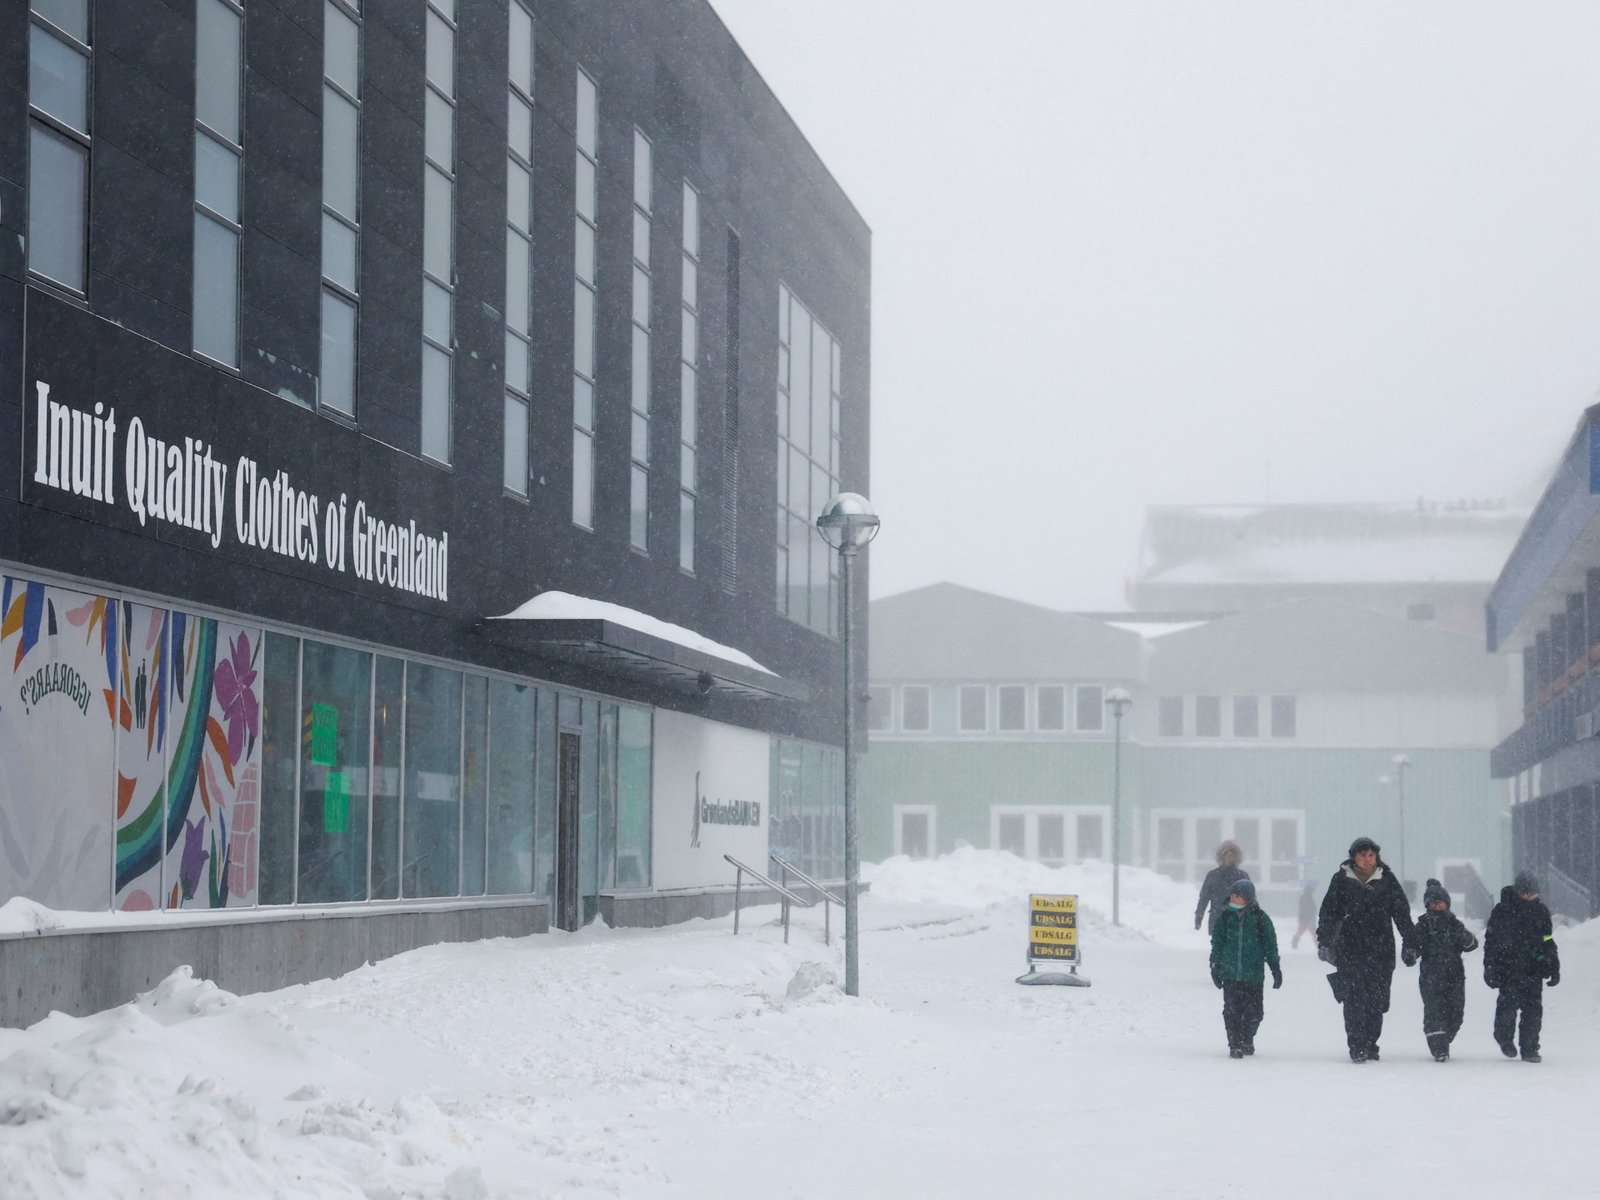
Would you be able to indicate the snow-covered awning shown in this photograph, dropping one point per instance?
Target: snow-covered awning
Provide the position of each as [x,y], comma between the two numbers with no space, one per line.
[624,641]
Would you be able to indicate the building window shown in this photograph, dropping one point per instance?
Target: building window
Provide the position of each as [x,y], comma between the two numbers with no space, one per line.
[880,709]
[914,830]
[218,149]
[808,464]
[519,243]
[1283,716]
[639,445]
[689,383]
[1050,715]
[584,229]
[1169,716]
[1011,705]
[59,69]
[974,709]
[1246,716]
[1186,842]
[341,216]
[916,708]
[1089,703]
[1208,716]
[335,713]
[1055,835]
[432,817]
[438,231]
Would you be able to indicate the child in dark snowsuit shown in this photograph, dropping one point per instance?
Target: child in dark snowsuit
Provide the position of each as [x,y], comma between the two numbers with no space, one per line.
[1441,940]
[1519,955]
[1242,942]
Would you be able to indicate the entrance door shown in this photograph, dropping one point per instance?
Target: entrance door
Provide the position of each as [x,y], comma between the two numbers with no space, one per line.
[567,911]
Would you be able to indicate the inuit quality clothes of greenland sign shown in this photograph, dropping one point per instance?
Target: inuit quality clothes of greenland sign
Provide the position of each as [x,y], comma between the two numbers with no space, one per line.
[1052,928]
[179,482]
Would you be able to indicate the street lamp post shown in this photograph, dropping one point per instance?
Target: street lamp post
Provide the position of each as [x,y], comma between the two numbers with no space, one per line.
[1401,762]
[1117,700]
[848,524]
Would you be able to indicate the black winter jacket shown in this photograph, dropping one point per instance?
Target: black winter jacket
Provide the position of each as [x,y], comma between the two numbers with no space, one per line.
[1518,941]
[1353,923]
[1214,891]
[1441,940]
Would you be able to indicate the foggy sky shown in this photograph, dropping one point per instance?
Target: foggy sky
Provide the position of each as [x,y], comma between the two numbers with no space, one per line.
[1170,253]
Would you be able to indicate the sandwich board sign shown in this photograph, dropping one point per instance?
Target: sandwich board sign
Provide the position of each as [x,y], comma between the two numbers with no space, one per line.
[1053,940]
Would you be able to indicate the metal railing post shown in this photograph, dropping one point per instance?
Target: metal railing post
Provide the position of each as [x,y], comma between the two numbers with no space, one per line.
[738,878]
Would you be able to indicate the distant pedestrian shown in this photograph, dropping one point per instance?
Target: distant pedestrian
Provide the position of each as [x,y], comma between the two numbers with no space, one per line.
[1308,913]
[1214,889]
[1519,957]
[1243,943]
[1440,942]
[1363,900]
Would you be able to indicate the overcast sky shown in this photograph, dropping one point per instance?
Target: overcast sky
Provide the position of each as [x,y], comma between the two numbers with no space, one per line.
[1132,253]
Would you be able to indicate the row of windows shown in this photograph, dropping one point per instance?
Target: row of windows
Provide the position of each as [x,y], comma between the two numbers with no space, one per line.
[1184,843]
[1000,708]
[384,778]
[809,360]
[1044,708]
[1173,716]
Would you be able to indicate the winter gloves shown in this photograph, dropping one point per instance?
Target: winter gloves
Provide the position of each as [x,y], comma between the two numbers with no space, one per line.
[1408,956]
[1322,953]
[1554,977]
[1277,978]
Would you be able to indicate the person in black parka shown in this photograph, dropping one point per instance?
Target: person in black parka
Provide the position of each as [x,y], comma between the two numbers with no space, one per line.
[1214,889]
[1441,941]
[1363,900]
[1519,955]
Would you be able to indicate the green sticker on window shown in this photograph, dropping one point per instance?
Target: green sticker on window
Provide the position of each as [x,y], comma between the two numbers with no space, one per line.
[336,804]
[324,734]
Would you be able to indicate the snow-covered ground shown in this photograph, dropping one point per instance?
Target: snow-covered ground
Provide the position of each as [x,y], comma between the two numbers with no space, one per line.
[689,1063]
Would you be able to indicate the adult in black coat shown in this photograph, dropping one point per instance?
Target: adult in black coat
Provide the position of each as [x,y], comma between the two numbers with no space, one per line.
[1519,955]
[1218,883]
[1363,900]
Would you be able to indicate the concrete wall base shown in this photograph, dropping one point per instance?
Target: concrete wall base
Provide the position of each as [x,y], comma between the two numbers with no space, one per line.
[81,972]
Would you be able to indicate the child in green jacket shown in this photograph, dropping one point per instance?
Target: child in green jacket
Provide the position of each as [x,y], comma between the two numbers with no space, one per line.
[1242,943]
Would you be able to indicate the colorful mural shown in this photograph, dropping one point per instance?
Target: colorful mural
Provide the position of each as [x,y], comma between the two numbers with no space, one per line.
[215,768]
[141,720]
[59,654]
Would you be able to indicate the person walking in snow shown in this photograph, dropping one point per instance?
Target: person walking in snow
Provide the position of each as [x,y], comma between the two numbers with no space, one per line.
[1519,957]
[1441,940]
[1243,941]
[1363,900]
[1214,888]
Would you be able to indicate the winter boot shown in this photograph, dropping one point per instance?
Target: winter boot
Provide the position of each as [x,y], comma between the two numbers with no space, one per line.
[1531,1056]
[1236,1053]
[1439,1046]
[1509,1050]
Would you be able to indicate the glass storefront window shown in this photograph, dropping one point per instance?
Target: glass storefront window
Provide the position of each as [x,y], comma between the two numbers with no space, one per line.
[511,787]
[474,784]
[431,864]
[335,711]
[280,738]
[607,851]
[544,821]
[633,798]
[388,717]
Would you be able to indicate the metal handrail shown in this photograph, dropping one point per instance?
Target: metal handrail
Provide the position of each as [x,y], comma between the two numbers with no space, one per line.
[1566,895]
[743,869]
[827,912]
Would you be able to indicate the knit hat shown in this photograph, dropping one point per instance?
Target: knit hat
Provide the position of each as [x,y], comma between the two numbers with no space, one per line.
[1526,881]
[1244,888]
[1364,843]
[1435,891]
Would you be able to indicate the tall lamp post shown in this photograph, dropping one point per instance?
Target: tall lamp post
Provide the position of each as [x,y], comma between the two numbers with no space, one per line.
[1118,701]
[847,524]
[1401,762]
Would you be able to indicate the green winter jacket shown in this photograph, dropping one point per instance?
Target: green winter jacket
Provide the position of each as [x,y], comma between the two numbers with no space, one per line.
[1242,942]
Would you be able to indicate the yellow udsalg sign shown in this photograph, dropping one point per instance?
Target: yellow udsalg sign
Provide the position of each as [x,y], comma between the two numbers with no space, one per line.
[1053,928]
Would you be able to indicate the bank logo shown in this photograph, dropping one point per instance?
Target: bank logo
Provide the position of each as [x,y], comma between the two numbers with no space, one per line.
[720,812]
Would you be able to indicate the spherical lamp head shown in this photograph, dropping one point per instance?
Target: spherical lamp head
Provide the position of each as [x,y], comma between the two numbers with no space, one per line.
[848,522]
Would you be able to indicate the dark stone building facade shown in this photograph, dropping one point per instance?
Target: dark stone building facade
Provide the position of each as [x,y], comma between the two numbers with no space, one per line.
[329,334]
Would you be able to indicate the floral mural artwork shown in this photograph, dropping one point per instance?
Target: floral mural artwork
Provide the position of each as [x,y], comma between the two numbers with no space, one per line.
[58,674]
[213,765]
[142,712]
